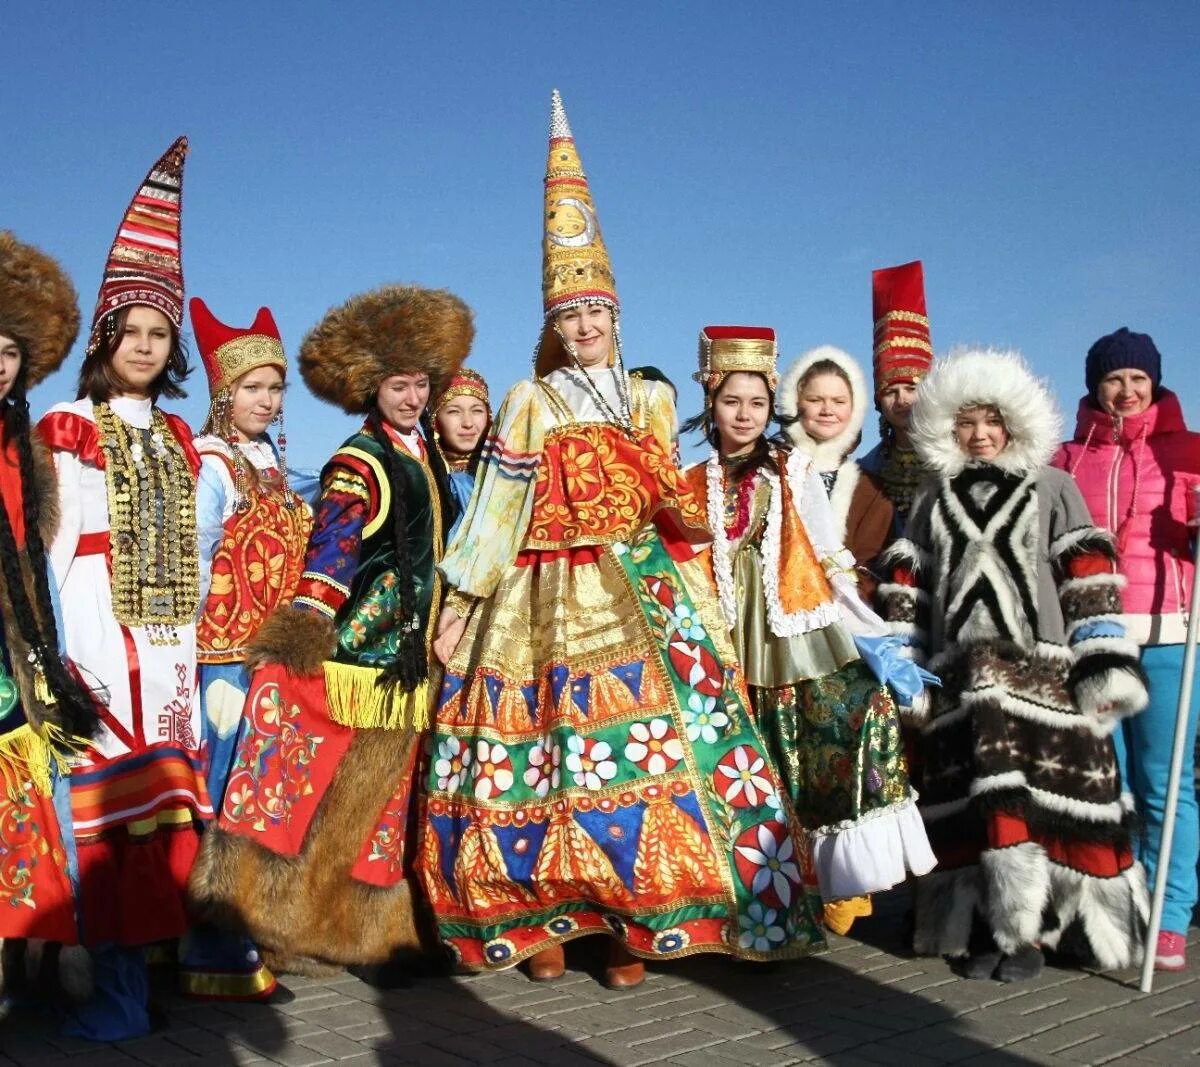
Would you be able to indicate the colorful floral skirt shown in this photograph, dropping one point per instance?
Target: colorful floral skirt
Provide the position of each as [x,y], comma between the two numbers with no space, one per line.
[836,741]
[36,898]
[596,770]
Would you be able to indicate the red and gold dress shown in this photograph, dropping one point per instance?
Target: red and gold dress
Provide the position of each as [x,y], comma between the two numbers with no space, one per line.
[595,767]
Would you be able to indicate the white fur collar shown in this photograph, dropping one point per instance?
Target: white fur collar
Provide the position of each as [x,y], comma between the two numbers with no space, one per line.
[827,455]
[977,377]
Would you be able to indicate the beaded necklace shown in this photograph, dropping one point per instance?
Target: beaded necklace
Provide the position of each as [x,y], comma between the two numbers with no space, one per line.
[901,473]
[152,524]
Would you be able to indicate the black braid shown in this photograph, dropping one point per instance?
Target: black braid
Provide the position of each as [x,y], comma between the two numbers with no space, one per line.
[411,666]
[75,710]
[441,477]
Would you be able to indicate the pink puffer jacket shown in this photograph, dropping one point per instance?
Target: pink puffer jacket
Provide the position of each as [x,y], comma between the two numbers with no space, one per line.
[1136,475]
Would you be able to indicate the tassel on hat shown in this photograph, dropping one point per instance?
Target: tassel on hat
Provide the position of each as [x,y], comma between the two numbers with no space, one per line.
[145,264]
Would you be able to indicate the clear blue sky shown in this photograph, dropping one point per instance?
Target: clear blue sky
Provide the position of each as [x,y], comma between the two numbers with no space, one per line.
[750,163]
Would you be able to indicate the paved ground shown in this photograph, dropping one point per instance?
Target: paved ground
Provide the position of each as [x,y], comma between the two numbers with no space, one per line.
[863,1003]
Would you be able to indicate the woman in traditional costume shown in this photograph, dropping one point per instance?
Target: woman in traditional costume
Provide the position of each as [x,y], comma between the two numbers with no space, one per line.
[126,563]
[44,711]
[313,850]
[823,403]
[788,592]
[903,356]
[1013,595]
[461,417]
[592,728]
[253,533]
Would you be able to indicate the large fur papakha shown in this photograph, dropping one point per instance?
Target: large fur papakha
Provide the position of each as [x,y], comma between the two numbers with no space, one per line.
[305,911]
[38,306]
[395,329]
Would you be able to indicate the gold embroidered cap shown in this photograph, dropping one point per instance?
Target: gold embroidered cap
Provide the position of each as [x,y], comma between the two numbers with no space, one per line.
[229,352]
[466,382]
[725,350]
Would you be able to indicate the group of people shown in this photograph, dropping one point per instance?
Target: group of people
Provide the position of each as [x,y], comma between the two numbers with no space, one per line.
[486,685]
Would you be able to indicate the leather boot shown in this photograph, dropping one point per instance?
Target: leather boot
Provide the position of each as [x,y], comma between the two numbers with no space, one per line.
[624,970]
[547,965]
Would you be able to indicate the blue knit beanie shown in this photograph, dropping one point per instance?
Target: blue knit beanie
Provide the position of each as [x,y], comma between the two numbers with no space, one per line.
[1119,350]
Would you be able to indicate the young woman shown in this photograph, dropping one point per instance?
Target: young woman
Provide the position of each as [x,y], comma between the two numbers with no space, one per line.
[903,356]
[823,402]
[787,588]
[125,559]
[44,712]
[591,728]
[1138,467]
[461,418]
[314,848]
[253,532]
[1012,595]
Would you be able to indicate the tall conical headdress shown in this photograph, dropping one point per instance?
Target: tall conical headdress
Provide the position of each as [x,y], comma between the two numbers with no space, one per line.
[229,352]
[145,264]
[902,349]
[575,264]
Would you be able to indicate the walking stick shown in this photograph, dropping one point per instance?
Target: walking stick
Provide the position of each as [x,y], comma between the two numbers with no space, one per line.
[1173,783]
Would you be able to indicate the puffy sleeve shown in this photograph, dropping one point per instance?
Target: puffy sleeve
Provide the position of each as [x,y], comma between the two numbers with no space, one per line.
[660,416]
[214,505]
[497,518]
[1106,679]
[350,501]
[73,441]
[837,560]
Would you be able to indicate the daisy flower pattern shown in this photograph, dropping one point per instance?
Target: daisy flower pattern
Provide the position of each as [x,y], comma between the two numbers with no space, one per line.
[654,746]
[452,763]
[492,772]
[590,762]
[687,623]
[702,720]
[766,863]
[741,778]
[543,773]
[759,930]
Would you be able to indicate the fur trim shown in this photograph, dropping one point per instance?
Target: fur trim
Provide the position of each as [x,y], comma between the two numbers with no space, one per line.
[916,713]
[842,497]
[973,378]
[1083,541]
[301,641]
[45,478]
[1108,687]
[904,554]
[946,902]
[306,909]
[827,455]
[46,970]
[1021,707]
[38,306]
[390,330]
[1113,913]
[1016,889]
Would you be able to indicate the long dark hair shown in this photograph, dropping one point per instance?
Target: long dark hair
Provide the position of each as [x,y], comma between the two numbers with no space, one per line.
[76,710]
[411,665]
[761,453]
[99,382]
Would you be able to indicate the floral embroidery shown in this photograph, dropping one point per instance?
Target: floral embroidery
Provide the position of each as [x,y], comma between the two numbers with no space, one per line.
[702,720]
[492,771]
[452,764]
[654,746]
[590,761]
[742,778]
[542,774]
[766,863]
[759,930]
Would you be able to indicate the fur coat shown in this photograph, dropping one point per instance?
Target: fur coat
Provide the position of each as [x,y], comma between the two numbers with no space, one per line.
[1007,591]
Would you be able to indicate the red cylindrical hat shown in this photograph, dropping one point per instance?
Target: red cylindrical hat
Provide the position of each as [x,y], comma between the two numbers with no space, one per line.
[903,353]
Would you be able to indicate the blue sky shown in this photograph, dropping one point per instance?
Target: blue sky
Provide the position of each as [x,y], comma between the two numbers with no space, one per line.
[750,163]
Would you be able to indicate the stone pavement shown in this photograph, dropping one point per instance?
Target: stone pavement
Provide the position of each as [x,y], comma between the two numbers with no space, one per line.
[864,1003]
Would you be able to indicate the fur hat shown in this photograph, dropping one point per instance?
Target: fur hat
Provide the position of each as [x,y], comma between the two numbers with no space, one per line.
[828,455]
[38,306]
[981,378]
[395,329]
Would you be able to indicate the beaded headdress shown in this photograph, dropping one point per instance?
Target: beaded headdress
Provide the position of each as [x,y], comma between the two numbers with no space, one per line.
[38,307]
[725,350]
[903,354]
[575,265]
[145,263]
[466,382]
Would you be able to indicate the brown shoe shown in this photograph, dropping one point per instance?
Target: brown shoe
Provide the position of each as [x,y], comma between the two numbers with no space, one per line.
[624,970]
[547,965]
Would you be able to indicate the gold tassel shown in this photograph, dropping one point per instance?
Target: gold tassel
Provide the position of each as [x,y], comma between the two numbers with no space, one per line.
[356,700]
[25,757]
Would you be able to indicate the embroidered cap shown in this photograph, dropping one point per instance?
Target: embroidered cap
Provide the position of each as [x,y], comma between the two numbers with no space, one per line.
[145,264]
[466,382]
[903,353]
[725,350]
[229,352]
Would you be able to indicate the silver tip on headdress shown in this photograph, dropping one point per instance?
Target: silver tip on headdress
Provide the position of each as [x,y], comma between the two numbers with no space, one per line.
[559,127]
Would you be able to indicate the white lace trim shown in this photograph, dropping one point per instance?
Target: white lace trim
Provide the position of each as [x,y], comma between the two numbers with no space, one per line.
[722,564]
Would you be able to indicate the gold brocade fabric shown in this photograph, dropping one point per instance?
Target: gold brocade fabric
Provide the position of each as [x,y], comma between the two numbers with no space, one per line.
[769,661]
[901,474]
[152,522]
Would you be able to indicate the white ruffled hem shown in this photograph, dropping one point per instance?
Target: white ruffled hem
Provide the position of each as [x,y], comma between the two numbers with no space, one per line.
[873,854]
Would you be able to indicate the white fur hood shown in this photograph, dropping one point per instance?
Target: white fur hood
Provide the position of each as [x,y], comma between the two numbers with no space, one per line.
[978,377]
[827,455]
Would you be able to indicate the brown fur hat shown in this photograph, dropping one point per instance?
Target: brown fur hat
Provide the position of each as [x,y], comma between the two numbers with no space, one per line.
[38,306]
[391,330]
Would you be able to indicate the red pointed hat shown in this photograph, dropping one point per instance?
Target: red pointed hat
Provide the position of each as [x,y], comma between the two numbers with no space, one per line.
[145,264]
[903,353]
[229,352]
